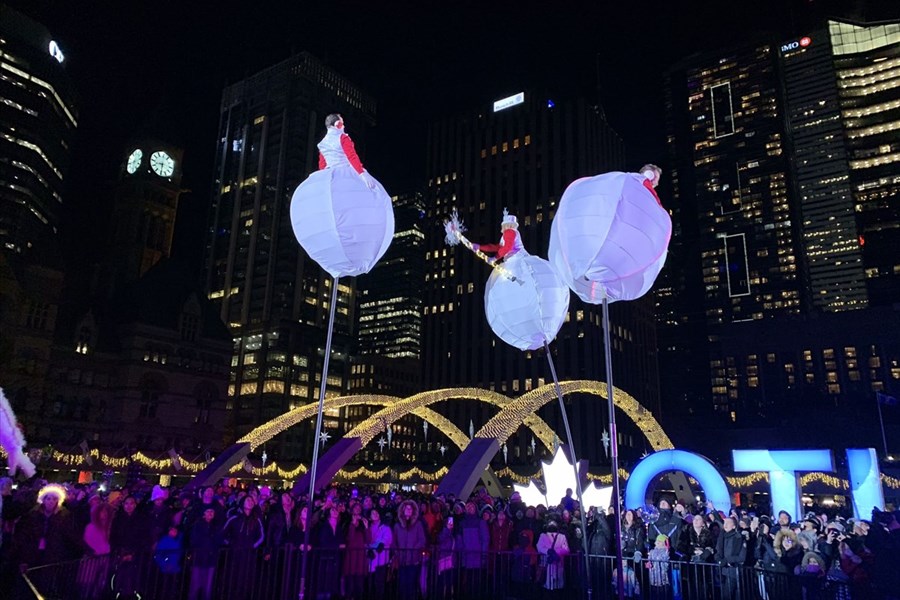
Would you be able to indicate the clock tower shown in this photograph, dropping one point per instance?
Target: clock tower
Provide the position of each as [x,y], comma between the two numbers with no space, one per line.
[144,208]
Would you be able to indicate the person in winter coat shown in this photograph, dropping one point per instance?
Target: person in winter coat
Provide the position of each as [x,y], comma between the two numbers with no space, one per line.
[242,535]
[731,552]
[168,557]
[380,541]
[356,564]
[633,535]
[409,542]
[205,542]
[279,522]
[524,566]
[553,548]
[473,541]
[696,542]
[329,540]
[446,560]
[501,529]
[46,534]
[131,542]
[93,571]
[658,565]
[600,534]
[668,524]
[160,515]
[788,549]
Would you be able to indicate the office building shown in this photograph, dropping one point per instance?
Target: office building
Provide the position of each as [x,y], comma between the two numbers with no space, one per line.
[520,154]
[272,296]
[734,216]
[785,194]
[389,349]
[38,118]
[843,104]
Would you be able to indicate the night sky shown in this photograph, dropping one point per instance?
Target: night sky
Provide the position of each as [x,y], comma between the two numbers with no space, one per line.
[157,69]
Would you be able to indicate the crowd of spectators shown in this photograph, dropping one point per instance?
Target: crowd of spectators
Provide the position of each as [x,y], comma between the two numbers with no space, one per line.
[365,544]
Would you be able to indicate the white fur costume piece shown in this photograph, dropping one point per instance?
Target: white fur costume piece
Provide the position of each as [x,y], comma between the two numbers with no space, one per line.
[12,440]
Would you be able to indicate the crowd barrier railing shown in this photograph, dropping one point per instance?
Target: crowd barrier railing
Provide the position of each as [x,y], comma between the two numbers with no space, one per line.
[433,574]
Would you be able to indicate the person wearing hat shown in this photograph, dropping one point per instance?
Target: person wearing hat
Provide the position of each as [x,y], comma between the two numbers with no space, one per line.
[668,524]
[510,242]
[46,534]
[658,564]
[553,548]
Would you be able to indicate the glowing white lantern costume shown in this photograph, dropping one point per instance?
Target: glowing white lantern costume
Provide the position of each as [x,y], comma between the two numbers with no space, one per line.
[341,215]
[611,234]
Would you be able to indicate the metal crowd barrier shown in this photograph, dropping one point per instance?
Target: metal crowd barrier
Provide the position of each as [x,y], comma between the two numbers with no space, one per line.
[431,575]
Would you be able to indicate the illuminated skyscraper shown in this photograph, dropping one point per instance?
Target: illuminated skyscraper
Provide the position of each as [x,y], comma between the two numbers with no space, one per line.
[843,101]
[389,348]
[785,184]
[520,155]
[274,297]
[731,169]
[37,123]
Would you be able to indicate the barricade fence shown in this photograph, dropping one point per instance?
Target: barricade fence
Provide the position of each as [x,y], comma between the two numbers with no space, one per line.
[361,574]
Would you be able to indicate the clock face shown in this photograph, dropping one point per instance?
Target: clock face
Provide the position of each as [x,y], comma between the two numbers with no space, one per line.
[134,161]
[162,164]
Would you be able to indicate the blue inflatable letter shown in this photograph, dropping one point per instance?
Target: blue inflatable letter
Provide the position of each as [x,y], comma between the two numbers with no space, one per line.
[677,460]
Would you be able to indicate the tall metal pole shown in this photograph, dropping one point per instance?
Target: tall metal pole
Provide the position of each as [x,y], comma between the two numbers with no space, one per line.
[614,447]
[578,487]
[881,420]
[315,457]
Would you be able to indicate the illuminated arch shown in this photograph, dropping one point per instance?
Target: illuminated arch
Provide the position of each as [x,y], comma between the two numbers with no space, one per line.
[513,413]
[395,409]
[375,424]
[467,469]
[505,423]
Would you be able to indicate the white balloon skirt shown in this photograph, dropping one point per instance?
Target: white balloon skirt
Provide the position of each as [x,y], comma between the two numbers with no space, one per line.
[609,235]
[341,223]
[527,312]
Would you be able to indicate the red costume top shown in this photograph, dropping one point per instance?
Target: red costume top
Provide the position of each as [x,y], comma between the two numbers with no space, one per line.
[649,185]
[349,149]
[507,245]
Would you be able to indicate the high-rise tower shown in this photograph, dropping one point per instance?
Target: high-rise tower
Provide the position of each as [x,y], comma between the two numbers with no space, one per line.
[38,118]
[273,296]
[519,155]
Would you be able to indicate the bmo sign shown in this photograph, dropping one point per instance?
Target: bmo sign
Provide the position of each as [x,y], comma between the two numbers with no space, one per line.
[801,43]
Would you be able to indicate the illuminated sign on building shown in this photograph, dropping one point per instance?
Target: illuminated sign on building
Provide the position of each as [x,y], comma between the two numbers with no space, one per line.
[801,43]
[782,466]
[509,102]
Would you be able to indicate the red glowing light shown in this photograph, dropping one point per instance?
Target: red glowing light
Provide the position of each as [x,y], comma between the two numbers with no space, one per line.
[805,41]
[862,241]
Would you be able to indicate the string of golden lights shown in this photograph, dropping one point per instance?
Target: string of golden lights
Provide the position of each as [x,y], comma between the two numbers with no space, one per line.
[274,471]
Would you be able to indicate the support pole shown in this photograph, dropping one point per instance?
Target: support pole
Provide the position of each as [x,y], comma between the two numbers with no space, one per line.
[315,457]
[614,451]
[578,486]
[881,421]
